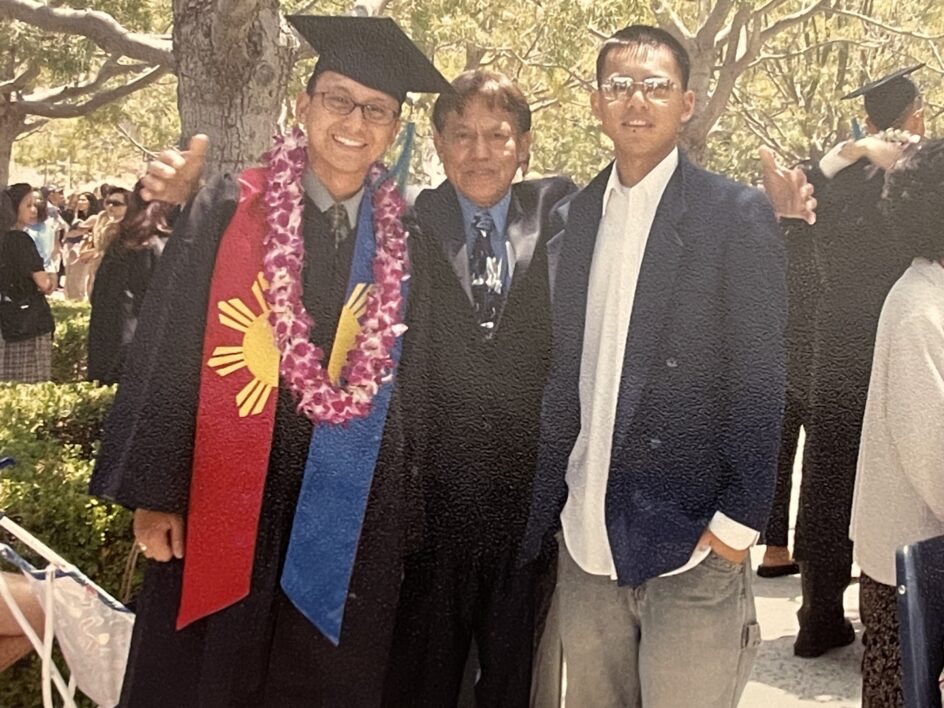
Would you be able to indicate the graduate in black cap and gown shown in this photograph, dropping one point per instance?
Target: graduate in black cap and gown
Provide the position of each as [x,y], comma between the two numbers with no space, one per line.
[858,262]
[258,431]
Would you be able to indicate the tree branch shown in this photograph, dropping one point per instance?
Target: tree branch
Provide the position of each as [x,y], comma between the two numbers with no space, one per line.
[19,83]
[100,27]
[109,70]
[125,134]
[369,8]
[888,28]
[714,22]
[671,22]
[29,128]
[762,58]
[792,19]
[48,109]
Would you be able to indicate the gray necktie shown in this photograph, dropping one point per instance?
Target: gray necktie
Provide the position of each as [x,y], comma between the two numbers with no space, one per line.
[340,226]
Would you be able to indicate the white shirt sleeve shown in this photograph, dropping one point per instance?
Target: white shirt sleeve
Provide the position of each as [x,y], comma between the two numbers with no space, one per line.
[832,163]
[732,533]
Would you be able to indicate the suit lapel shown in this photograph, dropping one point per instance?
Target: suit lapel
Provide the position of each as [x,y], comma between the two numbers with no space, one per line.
[654,294]
[445,215]
[522,235]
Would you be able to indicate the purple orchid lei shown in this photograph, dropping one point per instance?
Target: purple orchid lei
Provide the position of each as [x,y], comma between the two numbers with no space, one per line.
[369,363]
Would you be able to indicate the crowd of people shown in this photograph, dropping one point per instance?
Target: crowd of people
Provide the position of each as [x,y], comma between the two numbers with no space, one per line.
[554,429]
[51,247]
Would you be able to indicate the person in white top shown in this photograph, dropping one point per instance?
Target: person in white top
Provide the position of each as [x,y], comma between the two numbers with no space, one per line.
[899,488]
[663,408]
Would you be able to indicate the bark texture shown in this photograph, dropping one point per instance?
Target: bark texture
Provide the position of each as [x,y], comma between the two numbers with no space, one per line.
[233,59]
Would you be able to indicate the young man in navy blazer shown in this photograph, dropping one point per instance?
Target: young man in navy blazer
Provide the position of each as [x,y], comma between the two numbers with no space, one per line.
[661,418]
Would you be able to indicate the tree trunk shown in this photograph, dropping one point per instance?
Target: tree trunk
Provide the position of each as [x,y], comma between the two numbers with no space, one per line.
[12,123]
[234,59]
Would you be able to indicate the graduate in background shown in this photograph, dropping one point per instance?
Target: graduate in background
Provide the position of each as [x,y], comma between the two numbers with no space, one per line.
[857,262]
[257,432]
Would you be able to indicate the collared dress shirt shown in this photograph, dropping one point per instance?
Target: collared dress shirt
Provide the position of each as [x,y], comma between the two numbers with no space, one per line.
[322,198]
[628,213]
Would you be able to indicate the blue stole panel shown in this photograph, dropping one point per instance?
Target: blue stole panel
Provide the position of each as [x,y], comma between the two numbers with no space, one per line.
[338,475]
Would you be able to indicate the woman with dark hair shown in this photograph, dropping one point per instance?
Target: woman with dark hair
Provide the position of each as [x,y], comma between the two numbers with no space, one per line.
[104,230]
[86,207]
[26,323]
[45,233]
[899,495]
[128,261]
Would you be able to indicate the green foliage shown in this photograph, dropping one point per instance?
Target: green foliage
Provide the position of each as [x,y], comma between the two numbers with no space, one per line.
[70,342]
[52,431]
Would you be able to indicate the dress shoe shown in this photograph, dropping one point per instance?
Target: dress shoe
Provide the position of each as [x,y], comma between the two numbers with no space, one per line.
[777,571]
[812,643]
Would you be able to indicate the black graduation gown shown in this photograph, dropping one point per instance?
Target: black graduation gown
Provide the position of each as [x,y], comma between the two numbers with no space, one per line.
[858,262]
[121,283]
[261,651]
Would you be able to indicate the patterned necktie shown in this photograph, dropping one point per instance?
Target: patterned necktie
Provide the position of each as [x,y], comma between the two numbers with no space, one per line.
[485,270]
[340,226]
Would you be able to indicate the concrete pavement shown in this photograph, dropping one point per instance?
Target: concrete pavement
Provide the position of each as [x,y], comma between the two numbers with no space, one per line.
[781,680]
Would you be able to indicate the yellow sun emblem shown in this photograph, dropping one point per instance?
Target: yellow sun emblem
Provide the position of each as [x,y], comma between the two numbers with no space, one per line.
[257,350]
[349,326]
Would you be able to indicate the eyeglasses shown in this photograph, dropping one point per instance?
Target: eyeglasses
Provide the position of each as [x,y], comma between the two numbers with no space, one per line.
[622,88]
[342,105]
[112,202]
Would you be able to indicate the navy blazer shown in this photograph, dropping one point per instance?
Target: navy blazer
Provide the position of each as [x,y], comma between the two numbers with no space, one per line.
[700,404]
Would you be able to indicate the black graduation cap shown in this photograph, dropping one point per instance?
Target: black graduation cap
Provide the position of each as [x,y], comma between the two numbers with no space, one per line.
[373,51]
[888,97]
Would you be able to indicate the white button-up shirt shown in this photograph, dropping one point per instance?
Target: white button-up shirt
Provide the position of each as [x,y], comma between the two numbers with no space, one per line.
[628,213]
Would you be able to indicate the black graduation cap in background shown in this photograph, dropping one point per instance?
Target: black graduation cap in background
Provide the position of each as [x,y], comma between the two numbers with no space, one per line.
[888,97]
[373,51]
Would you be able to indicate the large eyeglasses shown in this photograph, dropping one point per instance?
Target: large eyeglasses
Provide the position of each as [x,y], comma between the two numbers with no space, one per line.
[343,105]
[622,88]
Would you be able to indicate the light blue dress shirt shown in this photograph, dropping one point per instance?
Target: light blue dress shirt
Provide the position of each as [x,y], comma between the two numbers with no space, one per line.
[499,213]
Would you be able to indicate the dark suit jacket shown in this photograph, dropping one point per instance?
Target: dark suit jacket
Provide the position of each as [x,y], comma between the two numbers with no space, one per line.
[484,396]
[701,398]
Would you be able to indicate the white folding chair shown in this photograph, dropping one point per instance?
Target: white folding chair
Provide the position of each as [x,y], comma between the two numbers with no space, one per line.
[92,628]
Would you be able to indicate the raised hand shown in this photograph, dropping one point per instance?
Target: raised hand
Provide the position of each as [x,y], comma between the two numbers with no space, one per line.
[173,175]
[787,189]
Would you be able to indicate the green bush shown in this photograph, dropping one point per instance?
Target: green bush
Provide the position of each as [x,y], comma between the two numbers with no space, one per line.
[70,342]
[53,431]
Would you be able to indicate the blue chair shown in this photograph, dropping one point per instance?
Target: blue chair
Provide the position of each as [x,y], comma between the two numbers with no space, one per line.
[920,571]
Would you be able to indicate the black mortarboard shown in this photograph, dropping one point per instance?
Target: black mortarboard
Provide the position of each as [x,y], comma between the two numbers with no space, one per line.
[888,97]
[373,51]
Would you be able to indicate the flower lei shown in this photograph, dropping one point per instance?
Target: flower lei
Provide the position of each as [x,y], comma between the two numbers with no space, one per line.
[369,363]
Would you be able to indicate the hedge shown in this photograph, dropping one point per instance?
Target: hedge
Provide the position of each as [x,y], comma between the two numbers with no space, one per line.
[70,342]
[53,431]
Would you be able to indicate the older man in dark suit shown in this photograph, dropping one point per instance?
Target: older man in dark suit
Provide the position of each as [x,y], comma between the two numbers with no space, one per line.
[489,329]
[661,419]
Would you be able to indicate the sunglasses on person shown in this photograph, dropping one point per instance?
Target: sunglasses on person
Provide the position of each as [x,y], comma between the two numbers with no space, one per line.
[622,88]
[114,203]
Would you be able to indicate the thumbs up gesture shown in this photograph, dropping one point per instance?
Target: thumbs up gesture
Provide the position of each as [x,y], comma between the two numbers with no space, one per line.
[174,175]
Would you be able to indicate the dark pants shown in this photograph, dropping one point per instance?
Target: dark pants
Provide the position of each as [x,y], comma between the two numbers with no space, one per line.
[881,660]
[451,595]
[823,583]
[795,415]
